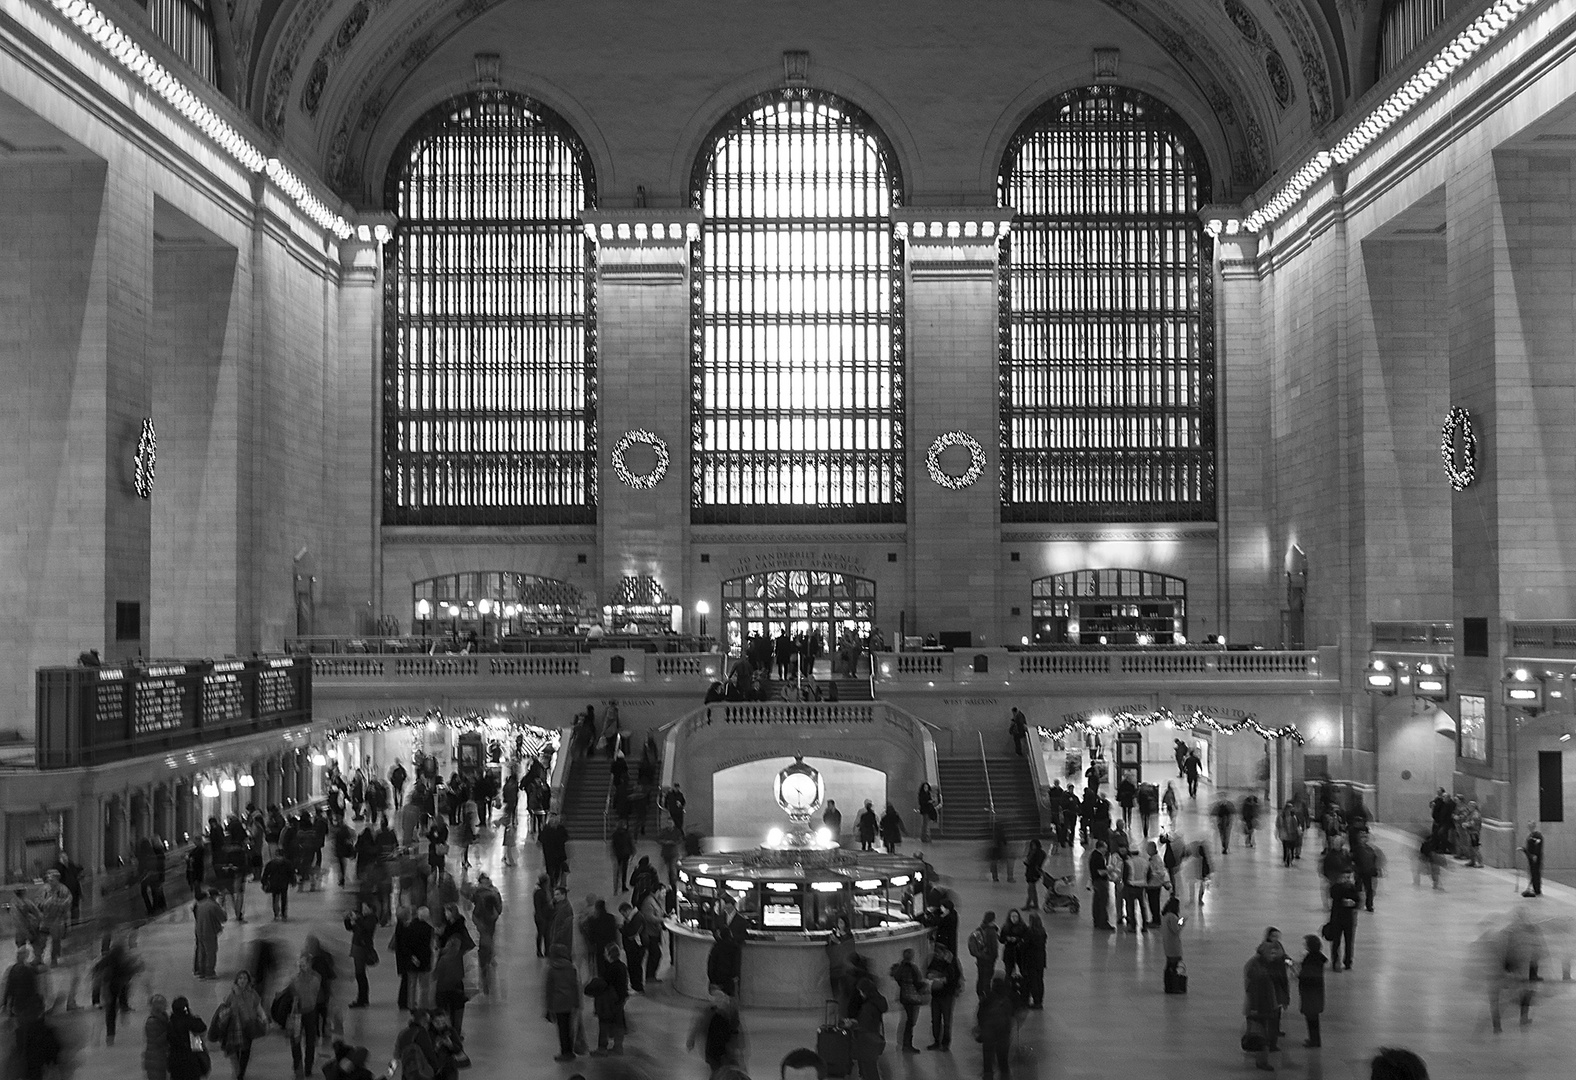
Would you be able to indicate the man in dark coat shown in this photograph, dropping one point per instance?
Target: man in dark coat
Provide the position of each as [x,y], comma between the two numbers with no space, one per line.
[278,874]
[1344,899]
[868,824]
[554,839]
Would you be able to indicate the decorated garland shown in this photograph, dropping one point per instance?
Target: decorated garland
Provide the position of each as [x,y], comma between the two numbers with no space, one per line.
[976,460]
[146,460]
[1458,426]
[534,738]
[1130,721]
[640,481]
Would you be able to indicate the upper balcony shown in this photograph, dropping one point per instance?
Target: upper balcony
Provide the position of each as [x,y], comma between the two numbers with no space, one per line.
[1003,667]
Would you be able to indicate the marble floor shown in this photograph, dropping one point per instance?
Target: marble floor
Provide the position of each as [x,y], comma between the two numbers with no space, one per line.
[1413,985]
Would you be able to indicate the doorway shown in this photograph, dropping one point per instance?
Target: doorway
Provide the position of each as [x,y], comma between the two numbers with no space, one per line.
[798,601]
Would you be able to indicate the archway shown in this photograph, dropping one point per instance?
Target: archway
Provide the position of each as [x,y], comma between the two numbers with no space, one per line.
[742,803]
[799,601]
[496,603]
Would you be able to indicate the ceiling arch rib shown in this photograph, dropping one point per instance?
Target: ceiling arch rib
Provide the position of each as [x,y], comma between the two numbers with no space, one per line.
[330,68]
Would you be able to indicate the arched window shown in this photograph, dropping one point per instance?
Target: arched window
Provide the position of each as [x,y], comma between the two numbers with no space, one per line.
[187,27]
[1404,25]
[797,371]
[489,355]
[1110,607]
[1108,359]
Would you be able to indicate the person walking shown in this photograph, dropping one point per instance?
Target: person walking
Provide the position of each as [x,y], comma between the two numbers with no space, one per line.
[208,921]
[999,849]
[1343,919]
[1532,848]
[869,1029]
[652,909]
[554,840]
[237,1023]
[1368,866]
[1288,830]
[186,1060]
[156,1040]
[1155,879]
[1018,728]
[1224,813]
[1168,803]
[718,1030]
[1192,767]
[1126,797]
[1250,818]
[561,997]
[448,983]
[1310,986]
[945,978]
[995,1019]
[278,875]
[867,825]
[832,818]
[486,908]
[305,991]
[401,943]
[984,947]
[1100,885]
[891,829]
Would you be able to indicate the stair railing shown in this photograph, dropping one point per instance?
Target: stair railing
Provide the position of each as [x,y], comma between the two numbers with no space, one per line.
[985,768]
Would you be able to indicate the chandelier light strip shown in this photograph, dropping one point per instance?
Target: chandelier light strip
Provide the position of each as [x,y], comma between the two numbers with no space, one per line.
[131,56]
[1463,47]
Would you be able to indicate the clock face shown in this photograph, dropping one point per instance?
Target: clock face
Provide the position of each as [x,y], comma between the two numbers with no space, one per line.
[798,791]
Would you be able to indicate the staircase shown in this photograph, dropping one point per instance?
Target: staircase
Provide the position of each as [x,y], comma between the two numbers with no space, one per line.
[854,690]
[585,798]
[965,798]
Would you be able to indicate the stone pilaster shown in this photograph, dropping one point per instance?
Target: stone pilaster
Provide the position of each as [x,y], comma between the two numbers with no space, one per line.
[643,359]
[953,386]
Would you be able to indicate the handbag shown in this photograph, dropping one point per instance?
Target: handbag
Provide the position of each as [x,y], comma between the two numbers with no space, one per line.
[1254,1037]
[1327,932]
[200,1054]
[372,956]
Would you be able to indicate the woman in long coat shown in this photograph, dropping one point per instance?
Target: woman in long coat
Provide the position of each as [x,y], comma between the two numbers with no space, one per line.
[891,829]
[1261,1004]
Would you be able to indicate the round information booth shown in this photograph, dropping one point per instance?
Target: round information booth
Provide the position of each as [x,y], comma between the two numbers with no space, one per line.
[790,892]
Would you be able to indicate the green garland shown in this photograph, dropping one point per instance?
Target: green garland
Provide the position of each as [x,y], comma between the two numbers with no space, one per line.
[378,722]
[1131,721]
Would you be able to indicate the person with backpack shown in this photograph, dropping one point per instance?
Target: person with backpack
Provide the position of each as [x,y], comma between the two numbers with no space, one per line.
[984,947]
[415,1051]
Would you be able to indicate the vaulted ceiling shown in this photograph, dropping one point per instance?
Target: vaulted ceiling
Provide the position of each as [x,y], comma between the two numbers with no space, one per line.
[340,80]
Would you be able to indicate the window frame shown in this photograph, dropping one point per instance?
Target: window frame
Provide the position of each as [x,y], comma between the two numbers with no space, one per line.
[893,411]
[576,465]
[1467,743]
[1161,461]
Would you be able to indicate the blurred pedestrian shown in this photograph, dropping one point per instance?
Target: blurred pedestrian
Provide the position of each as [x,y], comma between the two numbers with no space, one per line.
[719,1032]
[156,1040]
[869,1027]
[561,998]
[995,1019]
[208,921]
[301,1025]
[1394,1064]
[1310,986]
[237,1022]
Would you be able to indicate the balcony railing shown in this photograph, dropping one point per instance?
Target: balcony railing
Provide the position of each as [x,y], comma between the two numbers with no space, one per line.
[372,644]
[1421,637]
[615,667]
[1552,636]
[1001,665]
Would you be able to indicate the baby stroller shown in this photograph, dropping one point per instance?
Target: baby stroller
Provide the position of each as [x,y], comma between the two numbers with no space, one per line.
[1058,894]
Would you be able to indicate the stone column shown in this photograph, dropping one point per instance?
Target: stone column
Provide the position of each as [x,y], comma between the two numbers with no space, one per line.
[1511,265]
[351,601]
[953,393]
[643,379]
[1249,572]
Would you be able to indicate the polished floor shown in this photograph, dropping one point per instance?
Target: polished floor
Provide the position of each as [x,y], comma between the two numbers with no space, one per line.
[1415,984]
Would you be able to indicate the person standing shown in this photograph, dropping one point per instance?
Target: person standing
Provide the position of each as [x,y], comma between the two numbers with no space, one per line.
[1033,869]
[832,818]
[999,849]
[929,804]
[277,877]
[608,991]
[911,994]
[1532,848]
[1100,884]
[448,982]
[1343,919]
[362,924]
[397,778]
[1171,922]
[1193,766]
[184,1064]
[1018,727]
[554,840]
[674,804]
[1261,1005]
[400,949]
[1310,986]
[1011,937]
[985,946]
[1288,831]
[156,1040]
[1472,824]
[651,913]
[306,991]
[561,997]
[630,927]
[891,829]
[1224,813]
[1250,818]
[1155,879]
[867,825]
[542,912]
[1031,960]
[995,1019]
[945,979]
[1168,803]
[869,1026]
[208,921]
[1126,796]
[622,846]
[1368,865]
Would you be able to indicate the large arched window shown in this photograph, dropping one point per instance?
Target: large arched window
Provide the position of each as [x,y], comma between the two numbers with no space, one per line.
[489,390]
[1403,26]
[797,372]
[1108,360]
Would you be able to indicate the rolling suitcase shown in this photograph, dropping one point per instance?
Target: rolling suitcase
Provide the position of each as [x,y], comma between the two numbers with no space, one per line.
[835,1044]
[1176,981]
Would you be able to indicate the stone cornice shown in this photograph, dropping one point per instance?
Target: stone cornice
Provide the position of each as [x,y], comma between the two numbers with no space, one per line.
[642,227]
